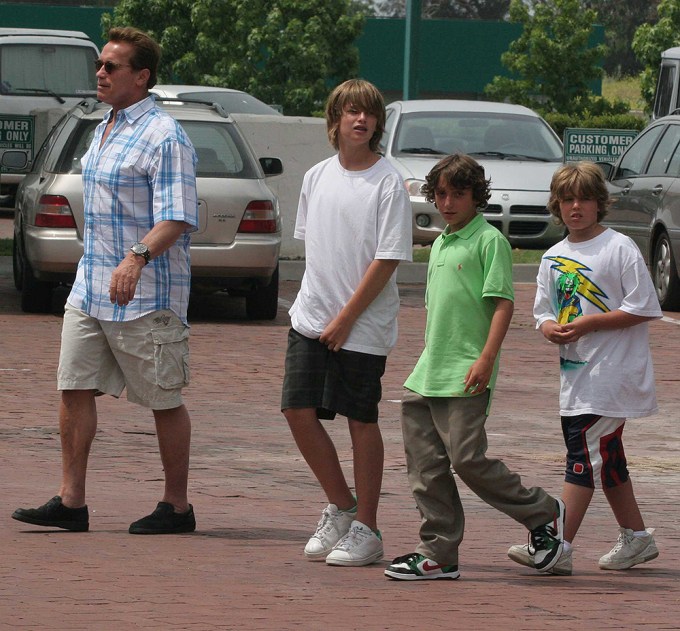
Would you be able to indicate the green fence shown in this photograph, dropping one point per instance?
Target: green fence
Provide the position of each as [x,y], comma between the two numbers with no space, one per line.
[457,58]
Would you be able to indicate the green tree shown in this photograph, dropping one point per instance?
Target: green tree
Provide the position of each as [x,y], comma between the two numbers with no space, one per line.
[621,19]
[651,40]
[289,52]
[552,61]
[442,9]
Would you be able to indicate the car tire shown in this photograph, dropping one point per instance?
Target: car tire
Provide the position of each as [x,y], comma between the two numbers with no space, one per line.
[36,295]
[263,302]
[665,274]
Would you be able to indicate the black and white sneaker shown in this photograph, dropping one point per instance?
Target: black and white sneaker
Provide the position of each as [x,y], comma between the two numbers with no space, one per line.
[416,567]
[547,540]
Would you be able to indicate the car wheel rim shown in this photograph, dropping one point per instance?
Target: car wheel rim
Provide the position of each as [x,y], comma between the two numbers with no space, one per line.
[663,269]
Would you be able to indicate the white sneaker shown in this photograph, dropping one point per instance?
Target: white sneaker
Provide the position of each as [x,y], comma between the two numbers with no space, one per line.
[630,550]
[333,525]
[360,546]
[524,556]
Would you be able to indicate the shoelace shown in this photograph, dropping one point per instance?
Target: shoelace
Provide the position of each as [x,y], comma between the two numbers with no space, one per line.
[542,538]
[352,538]
[325,523]
[624,538]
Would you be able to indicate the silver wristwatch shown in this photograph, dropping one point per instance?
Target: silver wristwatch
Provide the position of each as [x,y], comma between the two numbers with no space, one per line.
[141,249]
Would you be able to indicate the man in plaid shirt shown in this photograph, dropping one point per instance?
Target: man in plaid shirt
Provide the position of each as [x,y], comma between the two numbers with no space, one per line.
[125,324]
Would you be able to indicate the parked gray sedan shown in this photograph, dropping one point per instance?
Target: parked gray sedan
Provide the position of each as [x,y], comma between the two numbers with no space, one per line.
[645,185]
[236,247]
[517,148]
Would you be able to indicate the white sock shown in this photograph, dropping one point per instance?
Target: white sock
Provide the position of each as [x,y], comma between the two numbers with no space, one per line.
[641,533]
[566,547]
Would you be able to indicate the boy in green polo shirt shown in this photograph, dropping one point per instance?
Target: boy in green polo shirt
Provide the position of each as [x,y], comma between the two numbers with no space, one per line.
[469,302]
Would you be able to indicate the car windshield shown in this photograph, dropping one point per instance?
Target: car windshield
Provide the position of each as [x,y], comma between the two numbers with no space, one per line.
[487,135]
[47,69]
[220,150]
[232,102]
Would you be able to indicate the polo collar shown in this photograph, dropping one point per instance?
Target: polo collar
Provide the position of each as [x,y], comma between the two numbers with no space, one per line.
[465,233]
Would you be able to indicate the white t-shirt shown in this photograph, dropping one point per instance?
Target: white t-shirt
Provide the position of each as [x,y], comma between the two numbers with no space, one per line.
[607,372]
[347,219]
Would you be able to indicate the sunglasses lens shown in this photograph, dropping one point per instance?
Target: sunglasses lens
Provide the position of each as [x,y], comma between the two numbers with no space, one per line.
[108,66]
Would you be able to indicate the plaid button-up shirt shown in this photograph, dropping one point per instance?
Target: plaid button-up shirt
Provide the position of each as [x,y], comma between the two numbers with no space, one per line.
[142,174]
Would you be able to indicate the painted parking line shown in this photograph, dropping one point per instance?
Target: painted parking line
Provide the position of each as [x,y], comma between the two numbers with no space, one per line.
[670,320]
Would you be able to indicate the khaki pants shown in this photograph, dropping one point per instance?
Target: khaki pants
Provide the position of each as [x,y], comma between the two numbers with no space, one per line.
[441,433]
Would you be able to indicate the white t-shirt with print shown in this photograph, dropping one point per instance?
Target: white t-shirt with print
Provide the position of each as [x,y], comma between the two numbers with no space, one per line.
[609,372]
[347,219]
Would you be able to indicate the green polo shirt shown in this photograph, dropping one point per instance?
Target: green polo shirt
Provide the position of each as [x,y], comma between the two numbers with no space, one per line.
[467,270]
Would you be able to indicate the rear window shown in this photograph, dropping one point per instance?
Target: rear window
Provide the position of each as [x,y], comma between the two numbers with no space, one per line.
[220,150]
[64,70]
[232,102]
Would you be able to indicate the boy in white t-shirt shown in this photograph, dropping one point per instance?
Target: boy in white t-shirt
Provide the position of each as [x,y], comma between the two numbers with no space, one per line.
[354,216]
[594,299]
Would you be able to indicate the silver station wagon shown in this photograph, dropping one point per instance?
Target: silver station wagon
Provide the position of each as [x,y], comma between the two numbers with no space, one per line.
[236,247]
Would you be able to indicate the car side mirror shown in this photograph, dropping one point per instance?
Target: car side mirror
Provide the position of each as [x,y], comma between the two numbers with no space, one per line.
[14,159]
[271,166]
[607,169]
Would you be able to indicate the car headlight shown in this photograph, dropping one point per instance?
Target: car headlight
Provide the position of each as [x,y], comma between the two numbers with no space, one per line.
[414,187]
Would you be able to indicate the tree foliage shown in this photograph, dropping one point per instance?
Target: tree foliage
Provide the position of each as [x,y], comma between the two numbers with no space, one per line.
[651,40]
[621,19]
[288,52]
[552,62]
[441,9]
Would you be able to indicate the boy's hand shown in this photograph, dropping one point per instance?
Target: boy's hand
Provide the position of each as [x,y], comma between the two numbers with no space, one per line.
[336,333]
[567,333]
[479,375]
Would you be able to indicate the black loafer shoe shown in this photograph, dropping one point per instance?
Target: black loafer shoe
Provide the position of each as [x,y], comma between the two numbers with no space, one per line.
[165,521]
[55,515]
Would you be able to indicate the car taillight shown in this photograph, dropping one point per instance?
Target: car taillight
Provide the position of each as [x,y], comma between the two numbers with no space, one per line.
[260,216]
[54,211]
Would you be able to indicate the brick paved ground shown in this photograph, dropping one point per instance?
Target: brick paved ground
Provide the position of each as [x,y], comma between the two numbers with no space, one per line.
[256,502]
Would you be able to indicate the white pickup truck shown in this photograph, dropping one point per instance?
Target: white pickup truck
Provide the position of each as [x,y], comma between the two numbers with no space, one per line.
[39,68]
[667,97]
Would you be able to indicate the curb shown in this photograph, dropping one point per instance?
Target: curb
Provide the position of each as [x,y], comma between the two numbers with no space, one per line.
[408,273]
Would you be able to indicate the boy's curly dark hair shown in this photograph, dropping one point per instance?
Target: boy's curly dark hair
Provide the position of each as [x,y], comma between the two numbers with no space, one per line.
[459,171]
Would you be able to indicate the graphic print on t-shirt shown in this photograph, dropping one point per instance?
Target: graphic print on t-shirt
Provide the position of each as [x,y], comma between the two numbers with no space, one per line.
[572,285]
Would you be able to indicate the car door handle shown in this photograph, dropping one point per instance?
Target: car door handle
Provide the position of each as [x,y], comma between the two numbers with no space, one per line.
[657,190]
[625,190]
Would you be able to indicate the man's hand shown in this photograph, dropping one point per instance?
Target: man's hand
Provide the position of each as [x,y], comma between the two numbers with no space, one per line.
[125,278]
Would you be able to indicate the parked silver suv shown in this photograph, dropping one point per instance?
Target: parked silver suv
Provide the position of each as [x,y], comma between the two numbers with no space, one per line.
[236,247]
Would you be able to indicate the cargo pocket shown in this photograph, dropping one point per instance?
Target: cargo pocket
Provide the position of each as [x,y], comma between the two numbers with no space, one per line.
[171,356]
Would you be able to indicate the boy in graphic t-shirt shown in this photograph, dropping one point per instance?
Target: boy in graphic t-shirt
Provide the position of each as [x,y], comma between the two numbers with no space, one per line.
[594,299]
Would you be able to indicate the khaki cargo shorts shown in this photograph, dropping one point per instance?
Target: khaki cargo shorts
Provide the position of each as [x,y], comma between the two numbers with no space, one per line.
[148,356]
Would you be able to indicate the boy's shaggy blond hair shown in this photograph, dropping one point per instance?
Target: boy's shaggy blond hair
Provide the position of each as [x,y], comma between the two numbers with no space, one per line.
[580,179]
[362,95]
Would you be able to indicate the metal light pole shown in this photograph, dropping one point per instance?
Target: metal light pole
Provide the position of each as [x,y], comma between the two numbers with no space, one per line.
[411,47]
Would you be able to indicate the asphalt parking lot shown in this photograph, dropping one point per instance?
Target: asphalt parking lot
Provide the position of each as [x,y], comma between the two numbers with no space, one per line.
[256,503]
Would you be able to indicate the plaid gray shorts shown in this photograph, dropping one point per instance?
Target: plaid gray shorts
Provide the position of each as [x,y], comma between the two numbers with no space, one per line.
[334,382]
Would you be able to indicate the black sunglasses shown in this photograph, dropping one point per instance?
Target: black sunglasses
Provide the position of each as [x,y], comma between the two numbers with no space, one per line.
[109,66]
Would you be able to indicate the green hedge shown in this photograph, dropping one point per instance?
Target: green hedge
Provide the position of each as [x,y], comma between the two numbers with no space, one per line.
[559,122]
